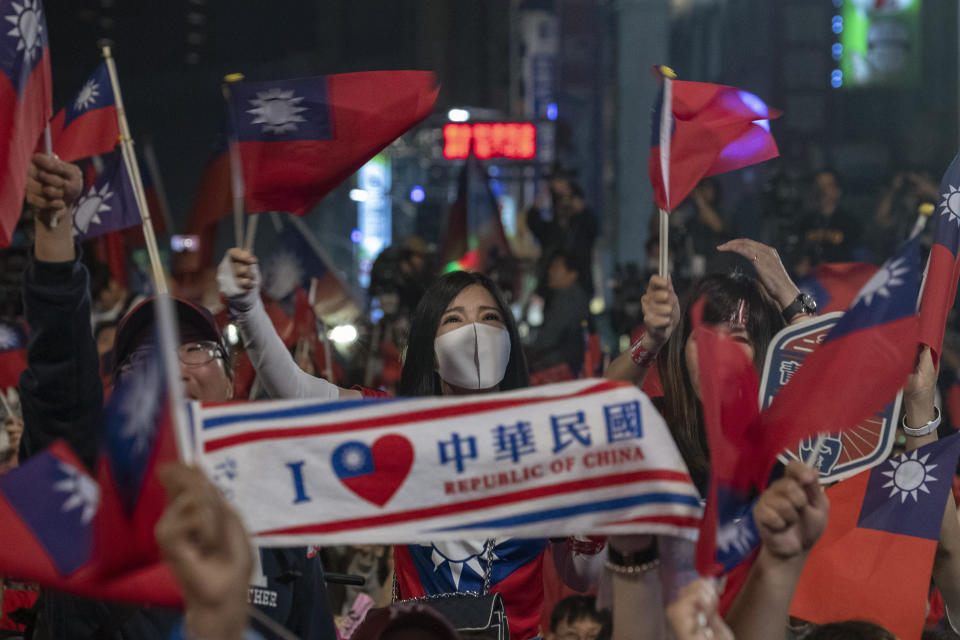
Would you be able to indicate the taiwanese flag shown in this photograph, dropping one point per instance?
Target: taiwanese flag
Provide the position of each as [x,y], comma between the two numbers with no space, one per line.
[61,525]
[707,129]
[300,261]
[875,558]
[861,365]
[108,204]
[25,108]
[298,139]
[474,226]
[88,125]
[943,266]
[735,436]
[834,285]
[13,354]
[51,511]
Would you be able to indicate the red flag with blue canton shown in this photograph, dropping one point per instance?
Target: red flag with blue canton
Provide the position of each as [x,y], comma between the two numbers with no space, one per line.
[88,125]
[298,139]
[715,128]
[874,560]
[943,265]
[25,108]
[473,223]
[834,285]
[861,365]
[62,525]
[735,435]
[13,354]
[108,204]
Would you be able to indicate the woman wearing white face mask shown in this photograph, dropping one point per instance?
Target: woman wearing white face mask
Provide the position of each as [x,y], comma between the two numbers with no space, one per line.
[463,339]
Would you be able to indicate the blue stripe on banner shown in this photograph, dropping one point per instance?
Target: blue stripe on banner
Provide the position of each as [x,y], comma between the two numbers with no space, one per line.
[563,512]
[295,412]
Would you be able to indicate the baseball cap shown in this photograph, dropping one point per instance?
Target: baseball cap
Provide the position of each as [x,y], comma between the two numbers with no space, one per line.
[137,326]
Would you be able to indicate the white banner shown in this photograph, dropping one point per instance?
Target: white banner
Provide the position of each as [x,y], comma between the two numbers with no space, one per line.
[589,456]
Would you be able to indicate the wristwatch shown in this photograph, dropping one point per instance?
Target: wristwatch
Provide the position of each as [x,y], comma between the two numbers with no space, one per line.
[803,303]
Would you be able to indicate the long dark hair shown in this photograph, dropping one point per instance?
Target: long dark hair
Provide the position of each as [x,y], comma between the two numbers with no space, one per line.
[681,408]
[419,376]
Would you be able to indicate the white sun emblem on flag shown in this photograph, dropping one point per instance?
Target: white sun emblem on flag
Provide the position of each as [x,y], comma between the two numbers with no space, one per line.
[140,410]
[950,205]
[283,274]
[27,24]
[909,475]
[888,276]
[84,492]
[735,535]
[89,207]
[8,337]
[459,554]
[277,110]
[87,96]
[354,458]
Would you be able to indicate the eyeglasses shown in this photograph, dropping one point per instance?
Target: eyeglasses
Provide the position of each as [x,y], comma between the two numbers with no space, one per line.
[192,354]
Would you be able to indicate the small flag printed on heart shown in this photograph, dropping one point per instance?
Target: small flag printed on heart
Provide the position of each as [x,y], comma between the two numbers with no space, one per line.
[375,472]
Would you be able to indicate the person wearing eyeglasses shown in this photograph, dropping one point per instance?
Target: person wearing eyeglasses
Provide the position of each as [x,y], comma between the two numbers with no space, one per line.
[62,398]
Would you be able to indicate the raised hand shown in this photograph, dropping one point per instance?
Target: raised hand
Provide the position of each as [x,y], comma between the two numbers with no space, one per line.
[694,616]
[770,270]
[661,313]
[792,513]
[52,185]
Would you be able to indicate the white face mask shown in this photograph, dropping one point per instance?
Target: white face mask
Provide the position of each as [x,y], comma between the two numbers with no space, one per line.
[474,356]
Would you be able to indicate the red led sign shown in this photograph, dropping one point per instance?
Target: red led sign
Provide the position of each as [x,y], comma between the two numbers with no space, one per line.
[511,140]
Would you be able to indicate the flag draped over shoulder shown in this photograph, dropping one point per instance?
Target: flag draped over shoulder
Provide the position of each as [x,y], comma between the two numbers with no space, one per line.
[88,125]
[874,560]
[298,139]
[25,107]
[712,129]
[943,265]
[108,204]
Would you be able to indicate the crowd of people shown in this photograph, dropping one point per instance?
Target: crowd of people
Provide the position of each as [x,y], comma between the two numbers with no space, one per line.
[462,336]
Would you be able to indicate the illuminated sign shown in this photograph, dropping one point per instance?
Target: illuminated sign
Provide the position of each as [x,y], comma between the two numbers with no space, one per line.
[879,43]
[511,140]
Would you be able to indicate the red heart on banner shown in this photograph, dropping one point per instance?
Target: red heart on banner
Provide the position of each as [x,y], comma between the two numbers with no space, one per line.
[374,473]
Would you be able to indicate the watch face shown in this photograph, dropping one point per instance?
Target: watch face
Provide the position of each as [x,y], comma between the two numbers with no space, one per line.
[807,300]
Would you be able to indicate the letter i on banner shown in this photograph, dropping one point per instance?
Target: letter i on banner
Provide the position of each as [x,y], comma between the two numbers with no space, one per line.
[666,130]
[236,169]
[133,170]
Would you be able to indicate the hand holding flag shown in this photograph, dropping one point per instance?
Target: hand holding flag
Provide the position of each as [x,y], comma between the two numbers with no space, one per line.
[25,108]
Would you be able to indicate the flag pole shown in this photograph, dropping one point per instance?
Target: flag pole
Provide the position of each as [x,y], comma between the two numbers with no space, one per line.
[811,460]
[666,132]
[236,170]
[133,171]
[154,167]
[322,329]
[48,149]
[251,232]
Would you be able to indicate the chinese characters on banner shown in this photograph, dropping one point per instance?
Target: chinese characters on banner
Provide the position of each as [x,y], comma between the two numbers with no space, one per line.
[587,456]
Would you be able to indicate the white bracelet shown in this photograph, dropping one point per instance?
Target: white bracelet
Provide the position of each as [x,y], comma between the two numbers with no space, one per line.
[930,427]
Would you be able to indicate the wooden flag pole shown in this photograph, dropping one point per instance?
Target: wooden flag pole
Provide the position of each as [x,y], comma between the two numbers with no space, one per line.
[236,169]
[133,171]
